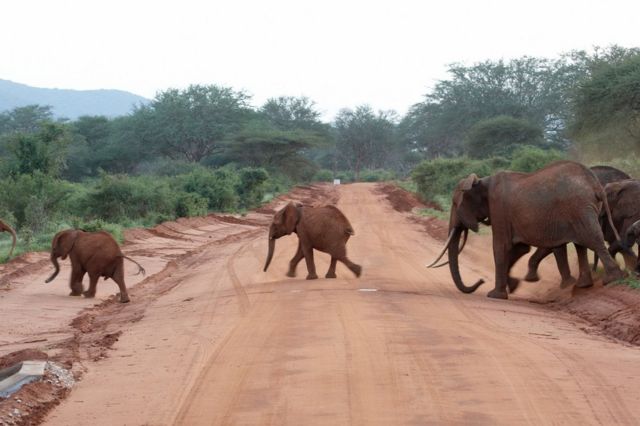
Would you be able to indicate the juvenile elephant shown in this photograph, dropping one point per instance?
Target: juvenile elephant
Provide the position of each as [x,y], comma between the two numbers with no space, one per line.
[94,253]
[322,228]
[554,206]
[6,228]
[605,175]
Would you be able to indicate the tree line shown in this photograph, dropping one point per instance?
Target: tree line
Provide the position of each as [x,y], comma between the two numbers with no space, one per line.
[208,147]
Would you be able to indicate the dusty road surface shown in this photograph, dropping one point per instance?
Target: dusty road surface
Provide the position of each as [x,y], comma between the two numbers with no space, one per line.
[211,339]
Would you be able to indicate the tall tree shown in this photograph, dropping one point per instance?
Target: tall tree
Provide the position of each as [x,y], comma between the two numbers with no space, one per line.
[192,123]
[365,139]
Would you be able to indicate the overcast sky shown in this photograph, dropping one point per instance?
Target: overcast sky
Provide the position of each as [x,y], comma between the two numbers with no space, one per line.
[339,53]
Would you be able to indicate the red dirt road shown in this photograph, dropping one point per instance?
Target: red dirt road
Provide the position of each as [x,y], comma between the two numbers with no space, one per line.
[211,339]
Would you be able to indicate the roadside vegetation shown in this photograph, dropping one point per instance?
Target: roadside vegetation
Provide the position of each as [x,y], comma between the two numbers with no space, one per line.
[206,148]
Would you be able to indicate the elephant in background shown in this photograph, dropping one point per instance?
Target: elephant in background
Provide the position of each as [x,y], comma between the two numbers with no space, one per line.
[624,202]
[4,227]
[605,175]
[322,228]
[93,253]
[556,205]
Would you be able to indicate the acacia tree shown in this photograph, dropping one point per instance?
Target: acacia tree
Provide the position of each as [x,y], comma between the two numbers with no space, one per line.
[364,139]
[192,123]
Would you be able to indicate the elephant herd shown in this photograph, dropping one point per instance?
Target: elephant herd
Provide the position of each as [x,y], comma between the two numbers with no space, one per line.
[564,202]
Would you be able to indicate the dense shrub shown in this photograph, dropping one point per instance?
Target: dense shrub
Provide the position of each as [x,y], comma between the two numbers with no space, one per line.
[440,176]
[501,136]
[529,158]
[250,187]
[323,175]
[377,175]
[218,187]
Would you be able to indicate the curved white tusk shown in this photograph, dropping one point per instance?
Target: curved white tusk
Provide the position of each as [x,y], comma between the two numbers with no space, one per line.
[444,249]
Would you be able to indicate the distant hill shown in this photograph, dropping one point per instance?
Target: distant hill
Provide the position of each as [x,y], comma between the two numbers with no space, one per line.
[69,103]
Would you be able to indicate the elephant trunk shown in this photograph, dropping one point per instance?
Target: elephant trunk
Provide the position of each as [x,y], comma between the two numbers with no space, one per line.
[272,247]
[453,251]
[54,260]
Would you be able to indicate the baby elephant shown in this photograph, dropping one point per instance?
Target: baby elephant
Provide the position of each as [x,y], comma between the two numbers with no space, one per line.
[95,253]
[321,228]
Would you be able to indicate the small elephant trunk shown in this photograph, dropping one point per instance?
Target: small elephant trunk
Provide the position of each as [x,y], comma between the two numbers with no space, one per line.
[272,247]
[54,260]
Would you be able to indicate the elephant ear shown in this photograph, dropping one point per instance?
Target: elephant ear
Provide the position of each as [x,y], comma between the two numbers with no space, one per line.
[291,217]
[64,242]
[468,182]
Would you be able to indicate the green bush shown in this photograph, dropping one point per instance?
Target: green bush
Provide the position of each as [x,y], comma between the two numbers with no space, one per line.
[323,175]
[530,158]
[440,176]
[377,175]
[189,204]
[501,136]
[250,187]
[218,187]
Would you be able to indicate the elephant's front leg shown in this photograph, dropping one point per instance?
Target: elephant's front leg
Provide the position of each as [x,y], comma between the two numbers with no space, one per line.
[295,260]
[501,257]
[75,282]
[307,251]
[584,278]
[331,273]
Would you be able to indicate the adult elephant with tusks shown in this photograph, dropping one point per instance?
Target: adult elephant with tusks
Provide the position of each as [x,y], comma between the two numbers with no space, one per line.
[554,206]
[322,228]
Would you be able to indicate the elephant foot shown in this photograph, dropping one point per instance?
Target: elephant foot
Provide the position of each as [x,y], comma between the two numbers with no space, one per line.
[124,298]
[312,277]
[75,293]
[532,276]
[497,294]
[88,294]
[331,275]
[513,284]
[568,282]
[584,281]
[357,269]
[291,274]
[616,275]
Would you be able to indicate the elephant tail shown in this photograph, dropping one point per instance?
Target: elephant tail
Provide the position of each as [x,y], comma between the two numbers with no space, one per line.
[140,268]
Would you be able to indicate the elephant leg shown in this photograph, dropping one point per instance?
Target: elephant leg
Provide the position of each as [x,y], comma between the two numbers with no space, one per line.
[311,265]
[118,277]
[591,237]
[331,273]
[75,283]
[517,252]
[501,256]
[294,261]
[341,255]
[560,253]
[584,279]
[93,283]
[534,262]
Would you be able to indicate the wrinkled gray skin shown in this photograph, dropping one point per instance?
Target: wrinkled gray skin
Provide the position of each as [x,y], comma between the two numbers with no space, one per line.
[605,175]
[6,228]
[556,205]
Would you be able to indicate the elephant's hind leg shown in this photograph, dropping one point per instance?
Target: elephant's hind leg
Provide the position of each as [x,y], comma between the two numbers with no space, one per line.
[517,252]
[293,264]
[534,262]
[118,277]
[331,273]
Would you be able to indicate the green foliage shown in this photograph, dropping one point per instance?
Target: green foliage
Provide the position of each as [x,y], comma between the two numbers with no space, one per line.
[217,187]
[500,136]
[95,225]
[529,158]
[378,175]
[250,186]
[440,176]
[323,175]
[607,111]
